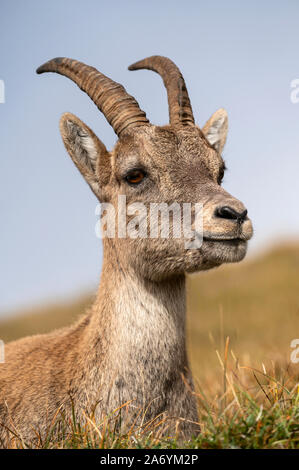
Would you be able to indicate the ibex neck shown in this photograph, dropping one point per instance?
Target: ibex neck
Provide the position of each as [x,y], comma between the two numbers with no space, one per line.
[141,323]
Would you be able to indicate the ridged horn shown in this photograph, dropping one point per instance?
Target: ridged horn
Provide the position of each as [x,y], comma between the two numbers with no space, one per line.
[180,110]
[120,109]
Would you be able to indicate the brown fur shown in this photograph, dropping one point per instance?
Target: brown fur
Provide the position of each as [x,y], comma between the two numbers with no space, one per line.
[131,344]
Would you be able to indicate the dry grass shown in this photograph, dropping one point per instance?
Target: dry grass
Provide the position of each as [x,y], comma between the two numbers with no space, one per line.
[241,320]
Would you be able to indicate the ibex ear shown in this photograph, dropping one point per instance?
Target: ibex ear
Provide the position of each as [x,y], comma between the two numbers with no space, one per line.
[215,129]
[87,151]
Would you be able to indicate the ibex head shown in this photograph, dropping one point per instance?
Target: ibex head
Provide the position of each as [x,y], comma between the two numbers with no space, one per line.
[151,164]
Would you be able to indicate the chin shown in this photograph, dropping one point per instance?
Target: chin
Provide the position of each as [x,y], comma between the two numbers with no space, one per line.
[213,253]
[224,251]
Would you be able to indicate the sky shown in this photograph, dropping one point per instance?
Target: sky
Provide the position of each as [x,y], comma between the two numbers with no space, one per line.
[236,55]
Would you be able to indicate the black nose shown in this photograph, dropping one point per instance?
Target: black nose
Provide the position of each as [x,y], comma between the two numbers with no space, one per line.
[227,212]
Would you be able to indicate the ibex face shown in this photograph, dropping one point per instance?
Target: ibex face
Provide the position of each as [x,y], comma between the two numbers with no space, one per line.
[150,164]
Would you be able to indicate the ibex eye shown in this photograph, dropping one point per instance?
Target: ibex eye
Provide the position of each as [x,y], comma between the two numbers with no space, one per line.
[221,173]
[135,177]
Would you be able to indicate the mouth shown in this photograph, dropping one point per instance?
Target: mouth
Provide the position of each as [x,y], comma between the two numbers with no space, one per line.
[226,241]
[221,239]
[243,237]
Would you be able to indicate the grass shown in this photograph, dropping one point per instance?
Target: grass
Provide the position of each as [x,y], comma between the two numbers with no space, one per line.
[241,321]
[257,409]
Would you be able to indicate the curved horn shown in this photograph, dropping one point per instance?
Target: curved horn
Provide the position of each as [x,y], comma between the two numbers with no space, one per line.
[120,109]
[180,110]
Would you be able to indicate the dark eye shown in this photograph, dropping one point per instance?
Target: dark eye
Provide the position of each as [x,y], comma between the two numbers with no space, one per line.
[221,173]
[135,177]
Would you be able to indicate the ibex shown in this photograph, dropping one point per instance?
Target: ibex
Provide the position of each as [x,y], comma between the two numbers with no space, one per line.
[130,347]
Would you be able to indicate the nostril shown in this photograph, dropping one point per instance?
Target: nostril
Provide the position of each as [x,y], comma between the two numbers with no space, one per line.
[227,212]
[243,215]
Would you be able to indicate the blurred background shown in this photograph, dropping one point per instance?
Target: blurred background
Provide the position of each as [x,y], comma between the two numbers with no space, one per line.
[242,57]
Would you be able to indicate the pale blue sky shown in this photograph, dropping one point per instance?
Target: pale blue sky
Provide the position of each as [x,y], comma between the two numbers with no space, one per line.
[237,55]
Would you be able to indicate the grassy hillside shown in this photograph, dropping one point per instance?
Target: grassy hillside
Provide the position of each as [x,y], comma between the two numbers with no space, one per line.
[241,321]
[42,319]
[254,303]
